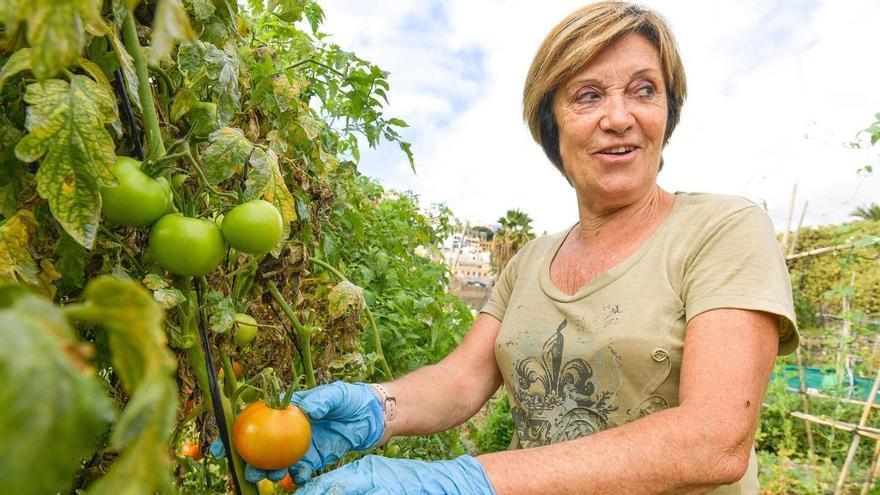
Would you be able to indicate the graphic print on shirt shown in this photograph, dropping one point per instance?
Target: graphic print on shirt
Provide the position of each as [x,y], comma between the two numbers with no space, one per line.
[556,401]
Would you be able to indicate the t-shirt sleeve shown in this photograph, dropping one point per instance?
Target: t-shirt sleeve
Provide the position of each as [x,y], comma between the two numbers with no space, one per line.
[497,304]
[739,264]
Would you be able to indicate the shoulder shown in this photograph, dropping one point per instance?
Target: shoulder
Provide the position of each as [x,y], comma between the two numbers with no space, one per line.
[701,213]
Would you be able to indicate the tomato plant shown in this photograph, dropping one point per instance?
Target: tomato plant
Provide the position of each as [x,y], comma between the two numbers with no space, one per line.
[270,438]
[187,246]
[254,227]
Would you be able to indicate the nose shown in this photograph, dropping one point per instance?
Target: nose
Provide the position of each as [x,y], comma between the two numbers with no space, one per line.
[618,117]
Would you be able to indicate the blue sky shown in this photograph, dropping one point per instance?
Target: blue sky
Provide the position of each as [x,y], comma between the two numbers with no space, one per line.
[776,89]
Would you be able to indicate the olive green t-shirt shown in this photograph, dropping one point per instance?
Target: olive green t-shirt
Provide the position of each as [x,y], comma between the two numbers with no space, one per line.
[611,353]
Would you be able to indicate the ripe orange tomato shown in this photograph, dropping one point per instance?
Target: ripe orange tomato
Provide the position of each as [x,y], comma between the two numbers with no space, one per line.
[191,450]
[269,438]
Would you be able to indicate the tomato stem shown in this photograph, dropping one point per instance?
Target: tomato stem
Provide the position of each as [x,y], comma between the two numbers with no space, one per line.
[303,334]
[155,146]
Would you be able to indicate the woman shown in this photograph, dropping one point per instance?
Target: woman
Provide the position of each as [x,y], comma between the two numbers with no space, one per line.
[635,347]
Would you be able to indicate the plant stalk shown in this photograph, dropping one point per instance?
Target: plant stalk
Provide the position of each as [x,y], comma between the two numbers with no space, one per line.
[155,146]
[303,334]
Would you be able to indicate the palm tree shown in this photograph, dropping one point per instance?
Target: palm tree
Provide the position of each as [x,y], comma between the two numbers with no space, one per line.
[869,212]
[515,232]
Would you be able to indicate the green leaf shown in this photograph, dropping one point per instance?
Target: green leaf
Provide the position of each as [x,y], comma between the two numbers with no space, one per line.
[146,368]
[345,299]
[70,261]
[18,62]
[170,23]
[226,87]
[66,124]
[201,9]
[183,101]
[222,312]
[228,149]
[54,410]
[57,35]
[14,174]
[263,167]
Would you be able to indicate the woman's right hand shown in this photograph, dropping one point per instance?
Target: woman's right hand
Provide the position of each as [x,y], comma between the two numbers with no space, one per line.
[344,417]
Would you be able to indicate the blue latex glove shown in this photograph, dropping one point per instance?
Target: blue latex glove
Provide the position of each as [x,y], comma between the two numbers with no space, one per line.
[344,417]
[375,475]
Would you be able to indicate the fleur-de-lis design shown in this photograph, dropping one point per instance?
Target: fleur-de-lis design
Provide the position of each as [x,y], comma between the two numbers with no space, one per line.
[564,405]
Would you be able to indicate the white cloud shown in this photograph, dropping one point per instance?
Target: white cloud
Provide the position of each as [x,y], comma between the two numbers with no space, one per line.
[776,88]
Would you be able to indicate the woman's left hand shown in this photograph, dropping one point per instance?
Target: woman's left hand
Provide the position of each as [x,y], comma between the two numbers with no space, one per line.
[377,475]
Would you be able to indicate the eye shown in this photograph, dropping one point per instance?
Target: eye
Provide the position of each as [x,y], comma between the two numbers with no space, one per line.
[646,90]
[587,96]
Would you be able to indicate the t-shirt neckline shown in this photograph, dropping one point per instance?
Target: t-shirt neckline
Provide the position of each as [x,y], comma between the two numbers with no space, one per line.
[610,275]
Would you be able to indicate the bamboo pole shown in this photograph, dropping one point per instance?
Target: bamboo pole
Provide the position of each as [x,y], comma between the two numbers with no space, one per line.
[816,251]
[869,483]
[788,218]
[798,231]
[806,406]
[865,431]
[819,395]
[866,411]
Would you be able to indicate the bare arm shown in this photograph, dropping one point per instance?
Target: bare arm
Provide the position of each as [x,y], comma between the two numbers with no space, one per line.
[693,448]
[437,397]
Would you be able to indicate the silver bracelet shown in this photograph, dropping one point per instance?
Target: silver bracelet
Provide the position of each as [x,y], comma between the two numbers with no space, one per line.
[389,403]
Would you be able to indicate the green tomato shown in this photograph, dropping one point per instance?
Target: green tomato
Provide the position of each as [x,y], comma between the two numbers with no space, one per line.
[138,200]
[254,227]
[202,116]
[187,246]
[245,329]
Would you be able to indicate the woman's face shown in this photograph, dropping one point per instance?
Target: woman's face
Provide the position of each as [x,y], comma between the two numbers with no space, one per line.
[612,118]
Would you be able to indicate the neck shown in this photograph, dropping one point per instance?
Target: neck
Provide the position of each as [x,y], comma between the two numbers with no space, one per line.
[620,222]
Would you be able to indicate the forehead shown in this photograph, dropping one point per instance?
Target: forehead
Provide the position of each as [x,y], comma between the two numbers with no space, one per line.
[620,60]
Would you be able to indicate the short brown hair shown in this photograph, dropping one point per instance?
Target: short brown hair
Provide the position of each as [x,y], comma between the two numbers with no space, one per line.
[574,42]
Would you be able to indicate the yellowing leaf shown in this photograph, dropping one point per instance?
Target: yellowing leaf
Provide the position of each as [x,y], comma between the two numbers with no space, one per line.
[345,299]
[16,262]
[228,149]
[265,179]
[56,32]
[169,24]
[66,124]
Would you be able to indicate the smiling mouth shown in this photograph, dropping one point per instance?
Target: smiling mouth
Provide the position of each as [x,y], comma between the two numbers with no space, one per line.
[618,151]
